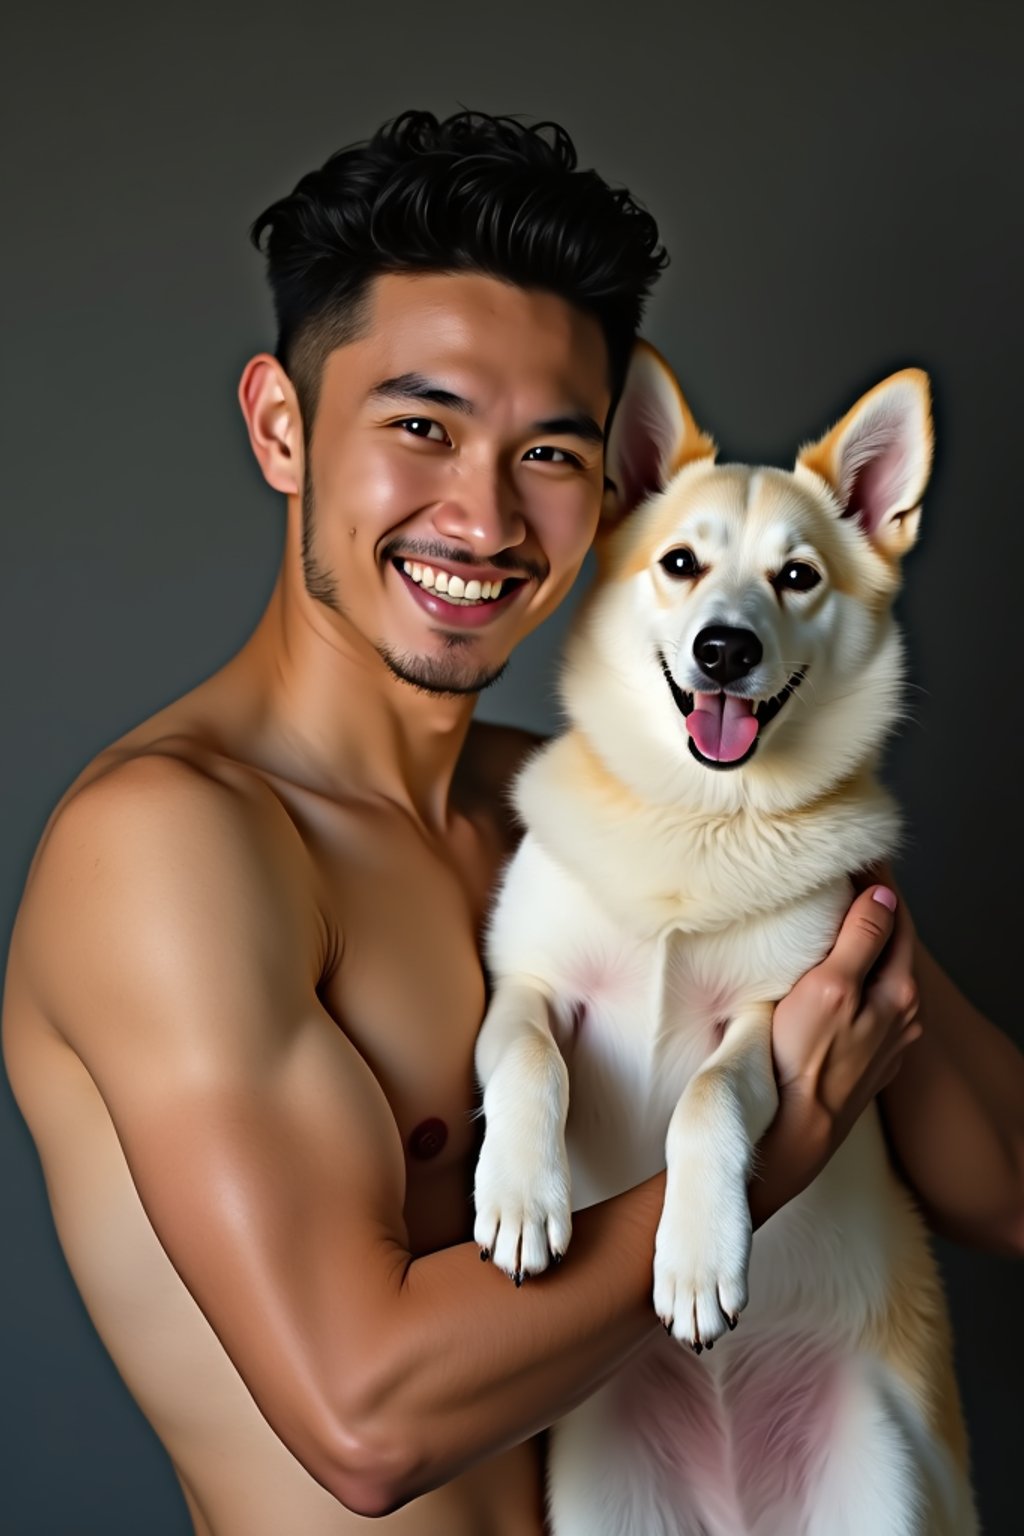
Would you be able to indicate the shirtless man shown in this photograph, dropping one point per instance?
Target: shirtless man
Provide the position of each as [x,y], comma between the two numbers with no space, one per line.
[244,982]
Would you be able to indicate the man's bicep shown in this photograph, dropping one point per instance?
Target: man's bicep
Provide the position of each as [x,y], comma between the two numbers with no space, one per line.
[261,1146]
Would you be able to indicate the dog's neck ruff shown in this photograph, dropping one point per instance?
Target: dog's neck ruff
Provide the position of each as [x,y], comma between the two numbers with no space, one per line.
[659,867]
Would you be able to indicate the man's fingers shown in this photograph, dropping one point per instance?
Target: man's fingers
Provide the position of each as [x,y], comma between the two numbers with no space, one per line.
[867,928]
[893,986]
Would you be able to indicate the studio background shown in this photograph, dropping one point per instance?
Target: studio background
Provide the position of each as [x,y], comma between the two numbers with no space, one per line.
[840,191]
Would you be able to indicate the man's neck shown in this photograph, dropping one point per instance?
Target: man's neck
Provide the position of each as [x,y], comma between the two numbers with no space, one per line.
[333,717]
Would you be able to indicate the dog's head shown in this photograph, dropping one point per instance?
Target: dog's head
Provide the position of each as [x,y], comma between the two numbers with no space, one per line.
[739,647]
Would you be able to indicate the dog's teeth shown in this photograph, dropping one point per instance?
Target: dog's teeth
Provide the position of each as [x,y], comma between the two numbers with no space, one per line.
[406,567]
[441,581]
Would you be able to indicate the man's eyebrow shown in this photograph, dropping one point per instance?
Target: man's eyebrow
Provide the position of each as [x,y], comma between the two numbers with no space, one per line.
[579,425]
[413,386]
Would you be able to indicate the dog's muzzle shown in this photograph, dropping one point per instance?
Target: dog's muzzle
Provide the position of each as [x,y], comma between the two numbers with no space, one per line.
[723,728]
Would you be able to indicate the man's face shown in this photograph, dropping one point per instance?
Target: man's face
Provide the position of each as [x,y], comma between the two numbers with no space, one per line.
[458,440]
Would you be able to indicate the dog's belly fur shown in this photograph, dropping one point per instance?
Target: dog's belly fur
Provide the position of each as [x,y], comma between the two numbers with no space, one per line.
[730,1441]
[841,1359]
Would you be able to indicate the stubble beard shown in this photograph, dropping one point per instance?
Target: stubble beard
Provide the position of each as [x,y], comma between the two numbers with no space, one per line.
[454,674]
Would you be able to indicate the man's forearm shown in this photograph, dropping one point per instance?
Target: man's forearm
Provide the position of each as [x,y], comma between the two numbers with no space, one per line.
[472,1365]
[955,1116]
[468,1364]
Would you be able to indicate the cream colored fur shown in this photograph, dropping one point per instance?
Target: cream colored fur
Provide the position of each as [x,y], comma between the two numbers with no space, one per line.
[657,910]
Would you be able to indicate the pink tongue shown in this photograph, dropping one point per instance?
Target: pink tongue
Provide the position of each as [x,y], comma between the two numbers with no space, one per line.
[723,727]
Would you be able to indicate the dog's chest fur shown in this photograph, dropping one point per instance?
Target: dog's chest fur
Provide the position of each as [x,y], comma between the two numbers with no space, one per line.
[645,1013]
[651,933]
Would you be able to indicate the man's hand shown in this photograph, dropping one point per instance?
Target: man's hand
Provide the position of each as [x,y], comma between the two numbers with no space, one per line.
[837,1039]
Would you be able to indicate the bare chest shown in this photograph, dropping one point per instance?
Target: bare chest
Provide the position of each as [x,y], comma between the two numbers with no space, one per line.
[407,985]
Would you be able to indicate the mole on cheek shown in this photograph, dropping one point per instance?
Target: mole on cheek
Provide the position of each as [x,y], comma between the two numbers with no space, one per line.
[427,1140]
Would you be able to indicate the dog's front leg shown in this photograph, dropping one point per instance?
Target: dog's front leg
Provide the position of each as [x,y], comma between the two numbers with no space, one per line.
[523,1218]
[703,1245]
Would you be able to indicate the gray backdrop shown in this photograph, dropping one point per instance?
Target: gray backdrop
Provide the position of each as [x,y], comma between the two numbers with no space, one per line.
[840,191]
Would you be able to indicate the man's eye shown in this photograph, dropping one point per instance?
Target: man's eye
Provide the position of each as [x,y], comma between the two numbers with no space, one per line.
[421,426]
[544,454]
[797,576]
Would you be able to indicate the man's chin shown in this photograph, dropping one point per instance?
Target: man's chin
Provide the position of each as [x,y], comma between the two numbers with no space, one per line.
[452,675]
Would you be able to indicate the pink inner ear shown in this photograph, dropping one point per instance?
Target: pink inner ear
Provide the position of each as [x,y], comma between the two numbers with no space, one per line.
[877,487]
[642,453]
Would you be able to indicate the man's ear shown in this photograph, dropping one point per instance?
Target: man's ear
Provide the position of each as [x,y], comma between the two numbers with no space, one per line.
[653,435]
[877,460]
[271,410]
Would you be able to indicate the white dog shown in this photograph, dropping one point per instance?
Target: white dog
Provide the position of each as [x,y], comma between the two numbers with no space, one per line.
[688,847]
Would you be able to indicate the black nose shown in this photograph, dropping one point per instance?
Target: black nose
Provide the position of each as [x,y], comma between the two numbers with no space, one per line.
[725,654]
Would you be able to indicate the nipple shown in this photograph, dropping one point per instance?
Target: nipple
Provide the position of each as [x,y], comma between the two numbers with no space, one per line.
[428,1139]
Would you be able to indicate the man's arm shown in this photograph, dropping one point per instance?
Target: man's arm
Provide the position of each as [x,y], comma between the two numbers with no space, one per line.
[171,933]
[837,1040]
[955,1117]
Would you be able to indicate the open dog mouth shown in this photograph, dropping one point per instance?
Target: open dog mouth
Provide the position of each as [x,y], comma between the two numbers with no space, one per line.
[724,729]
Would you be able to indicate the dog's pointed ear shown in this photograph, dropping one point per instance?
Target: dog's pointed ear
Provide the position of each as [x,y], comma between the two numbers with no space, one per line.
[877,460]
[653,434]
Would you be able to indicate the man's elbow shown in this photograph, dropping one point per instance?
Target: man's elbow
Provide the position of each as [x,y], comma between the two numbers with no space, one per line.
[997,1228]
[373,1470]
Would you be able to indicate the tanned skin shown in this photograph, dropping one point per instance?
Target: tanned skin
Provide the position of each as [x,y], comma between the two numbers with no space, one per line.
[244,983]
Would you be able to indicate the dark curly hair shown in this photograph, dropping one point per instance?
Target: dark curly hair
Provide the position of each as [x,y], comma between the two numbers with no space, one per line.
[473,193]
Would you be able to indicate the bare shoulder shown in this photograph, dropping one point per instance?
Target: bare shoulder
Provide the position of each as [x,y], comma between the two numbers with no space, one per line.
[153,856]
[497,754]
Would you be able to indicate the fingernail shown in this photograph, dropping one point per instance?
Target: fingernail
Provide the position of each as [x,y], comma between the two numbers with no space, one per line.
[883,894]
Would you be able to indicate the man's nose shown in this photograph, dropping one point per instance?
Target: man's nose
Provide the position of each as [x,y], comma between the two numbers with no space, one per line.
[482,511]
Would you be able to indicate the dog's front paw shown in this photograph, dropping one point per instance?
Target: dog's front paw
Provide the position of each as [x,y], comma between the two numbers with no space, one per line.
[523,1214]
[701,1257]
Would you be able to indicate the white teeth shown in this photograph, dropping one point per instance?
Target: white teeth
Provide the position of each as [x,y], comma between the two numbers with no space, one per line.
[474,591]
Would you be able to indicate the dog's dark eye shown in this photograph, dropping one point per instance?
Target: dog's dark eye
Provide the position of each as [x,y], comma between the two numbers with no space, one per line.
[680,562]
[797,576]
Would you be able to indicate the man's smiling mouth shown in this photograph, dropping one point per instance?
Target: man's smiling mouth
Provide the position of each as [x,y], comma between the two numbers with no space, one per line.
[455,588]
[458,600]
[723,728]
